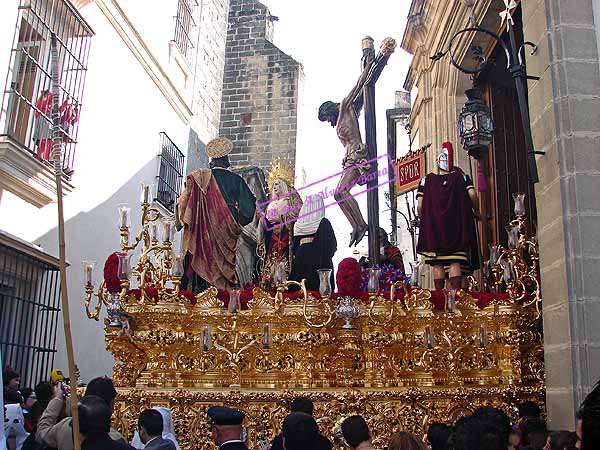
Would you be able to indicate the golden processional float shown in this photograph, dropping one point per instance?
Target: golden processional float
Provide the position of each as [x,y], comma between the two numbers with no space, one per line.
[402,359]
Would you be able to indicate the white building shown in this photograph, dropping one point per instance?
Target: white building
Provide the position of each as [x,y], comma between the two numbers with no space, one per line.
[141,89]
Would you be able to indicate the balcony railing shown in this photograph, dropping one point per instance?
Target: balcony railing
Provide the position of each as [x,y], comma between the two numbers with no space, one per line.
[26,106]
[170,173]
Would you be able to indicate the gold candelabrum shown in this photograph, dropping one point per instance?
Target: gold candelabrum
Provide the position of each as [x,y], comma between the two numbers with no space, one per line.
[401,360]
[516,268]
[158,267]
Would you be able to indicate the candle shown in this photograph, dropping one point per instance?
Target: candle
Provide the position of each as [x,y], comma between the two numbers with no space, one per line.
[145,197]
[124,215]
[482,336]
[88,271]
[266,336]
[153,231]
[168,229]
[206,339]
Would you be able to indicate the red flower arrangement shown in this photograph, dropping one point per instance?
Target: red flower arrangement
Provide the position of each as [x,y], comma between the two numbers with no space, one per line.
[348,277]
[111,279]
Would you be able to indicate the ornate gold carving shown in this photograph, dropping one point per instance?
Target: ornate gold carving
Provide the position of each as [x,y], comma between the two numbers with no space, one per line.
[386,411]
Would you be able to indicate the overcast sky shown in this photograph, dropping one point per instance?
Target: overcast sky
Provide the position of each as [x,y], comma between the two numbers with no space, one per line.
[325,36]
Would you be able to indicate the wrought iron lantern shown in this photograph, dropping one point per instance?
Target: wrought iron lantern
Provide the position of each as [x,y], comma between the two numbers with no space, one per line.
[475,125]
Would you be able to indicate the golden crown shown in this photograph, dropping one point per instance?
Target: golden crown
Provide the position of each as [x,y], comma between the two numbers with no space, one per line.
[280,170]
[219,147]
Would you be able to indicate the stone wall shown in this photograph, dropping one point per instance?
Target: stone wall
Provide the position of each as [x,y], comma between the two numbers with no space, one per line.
[208,82]
[566,125]
[260,89]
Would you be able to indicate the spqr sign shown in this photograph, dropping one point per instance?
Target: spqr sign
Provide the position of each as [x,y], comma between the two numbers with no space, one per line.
[409,171]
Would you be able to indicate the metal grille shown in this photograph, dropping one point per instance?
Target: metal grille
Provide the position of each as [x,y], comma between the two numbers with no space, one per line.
[29,310]
[184,25]
[170,173]
[25,116]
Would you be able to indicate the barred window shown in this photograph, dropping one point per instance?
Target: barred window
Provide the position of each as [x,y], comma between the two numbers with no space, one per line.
[29,308]
[170,173]
[25,116]
[184,27]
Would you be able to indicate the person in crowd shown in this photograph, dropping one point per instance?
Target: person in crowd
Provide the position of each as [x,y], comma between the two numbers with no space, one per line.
[150,429]
[300,432]
[588,425]
[14,422]
[406,441]
[514,440]
[529,409]
[534,433]
[11,380]
[226,427]
[561,440]
[487,428]
[355,433]
[56,433]
[94,425]
[168,431]
[437,436]
[43,393]
[29,399]
[304,405]
[314,243]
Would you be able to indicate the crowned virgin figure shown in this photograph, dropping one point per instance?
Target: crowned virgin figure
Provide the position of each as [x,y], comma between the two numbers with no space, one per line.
[277,224]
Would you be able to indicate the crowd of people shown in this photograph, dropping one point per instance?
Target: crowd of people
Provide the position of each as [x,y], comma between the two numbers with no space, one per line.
[39,419]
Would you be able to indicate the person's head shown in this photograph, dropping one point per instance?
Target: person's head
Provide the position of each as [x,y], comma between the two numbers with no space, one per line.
[561,440]
[478,432]
[29,398]
[514,439]
[221,162]
[279,189]
[534,432]
[11,379]
[226,423]
[329,112]
[497,417]
[150,425]
[529,409]
[104,388]
[302,404]
[94,416]
[383,237]
[300,431]
[590,419]
[43,391]
[355,431]
[437,436]
[406,441]
[13,396]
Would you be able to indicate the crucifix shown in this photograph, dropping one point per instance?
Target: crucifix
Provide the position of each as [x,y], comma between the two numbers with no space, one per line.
[360,162]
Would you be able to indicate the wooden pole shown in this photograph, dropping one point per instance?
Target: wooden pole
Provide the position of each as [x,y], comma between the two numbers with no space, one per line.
[58,164]
[371,142]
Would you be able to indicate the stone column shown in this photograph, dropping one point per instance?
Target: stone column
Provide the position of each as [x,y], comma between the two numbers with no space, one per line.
[565,117]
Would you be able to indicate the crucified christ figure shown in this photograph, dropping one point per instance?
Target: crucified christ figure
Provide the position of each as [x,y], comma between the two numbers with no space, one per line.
[344,117]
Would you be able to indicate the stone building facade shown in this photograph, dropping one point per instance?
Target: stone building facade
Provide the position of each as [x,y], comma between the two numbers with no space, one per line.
[564,105]
[259,111]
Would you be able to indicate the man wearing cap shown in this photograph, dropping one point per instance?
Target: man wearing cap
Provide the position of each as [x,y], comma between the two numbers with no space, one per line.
[214,206]
[226,427]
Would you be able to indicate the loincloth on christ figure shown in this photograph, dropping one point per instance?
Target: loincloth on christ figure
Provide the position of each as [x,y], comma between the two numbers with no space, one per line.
[357,158]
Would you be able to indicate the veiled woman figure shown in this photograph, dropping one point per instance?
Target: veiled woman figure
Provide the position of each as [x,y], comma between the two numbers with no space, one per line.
[277,224]
[314,243]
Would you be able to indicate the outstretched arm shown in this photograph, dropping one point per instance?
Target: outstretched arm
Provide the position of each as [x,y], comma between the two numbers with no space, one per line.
[357,89]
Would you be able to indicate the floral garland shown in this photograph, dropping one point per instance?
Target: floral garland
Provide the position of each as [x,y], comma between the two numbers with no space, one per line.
[348,277]
[388,275]
[111,279]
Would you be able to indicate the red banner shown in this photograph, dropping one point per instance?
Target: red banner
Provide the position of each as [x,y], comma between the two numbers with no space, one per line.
[409,171]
